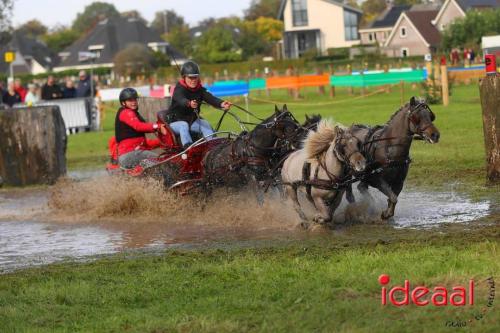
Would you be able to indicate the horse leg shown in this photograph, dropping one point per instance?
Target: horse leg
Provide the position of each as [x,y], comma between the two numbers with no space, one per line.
[324,214]
[292,193]
[334,204]
[391,201]
[257,189]
[349,195]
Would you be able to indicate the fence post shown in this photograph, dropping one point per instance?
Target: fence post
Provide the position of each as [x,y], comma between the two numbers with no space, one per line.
[444,85]
[332,87]
[349,71]
[489,88]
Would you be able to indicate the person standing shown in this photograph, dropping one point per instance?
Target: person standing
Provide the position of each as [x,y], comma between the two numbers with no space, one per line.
[69,90]
[20,89]
[83,86]
[51,90]
[32,95]
[11,97]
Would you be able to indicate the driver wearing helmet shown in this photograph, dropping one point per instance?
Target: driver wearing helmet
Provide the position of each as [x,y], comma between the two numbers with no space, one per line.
[130,131]
[183,114]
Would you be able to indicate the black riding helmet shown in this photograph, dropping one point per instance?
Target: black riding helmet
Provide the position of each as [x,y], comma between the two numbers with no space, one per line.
[190,68]
[128,93]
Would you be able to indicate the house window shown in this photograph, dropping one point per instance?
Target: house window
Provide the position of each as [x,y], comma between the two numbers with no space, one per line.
[370,37]
[405,52]
[350,25]
[299,13]
[402,32]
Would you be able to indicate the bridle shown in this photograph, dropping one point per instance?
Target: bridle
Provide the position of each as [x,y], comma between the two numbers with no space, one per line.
[339,149]
[413,121]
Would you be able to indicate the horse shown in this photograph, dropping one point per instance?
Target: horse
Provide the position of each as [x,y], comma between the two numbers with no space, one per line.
[387,149]
[320,167]
[252,154]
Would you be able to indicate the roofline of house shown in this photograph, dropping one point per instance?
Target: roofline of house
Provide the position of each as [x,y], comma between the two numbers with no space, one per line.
[333,2]
[393,32]
[375,29]
[442,9]
[80,67]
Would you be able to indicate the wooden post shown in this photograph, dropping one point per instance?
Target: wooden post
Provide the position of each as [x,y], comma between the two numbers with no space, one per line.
[33,145]
[444,85]
[387,87]
[332,88]
[321,89]
[349,71]
[428,67]
[402,89]
[489,88]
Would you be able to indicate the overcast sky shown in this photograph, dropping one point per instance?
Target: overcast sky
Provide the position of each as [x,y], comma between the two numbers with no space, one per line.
[52,12]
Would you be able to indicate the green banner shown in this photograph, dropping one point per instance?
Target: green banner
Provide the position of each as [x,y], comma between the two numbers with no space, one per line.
[376,79]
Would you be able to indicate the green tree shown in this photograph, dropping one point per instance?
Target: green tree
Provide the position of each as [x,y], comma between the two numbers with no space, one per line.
[133,60]
[60,38]
[166,20]
[32,28]
[371,9]
[407,2]
[6,7]
[262,8]
[134,14]
[92,14]
[216,45]
[467,32]
[180,38]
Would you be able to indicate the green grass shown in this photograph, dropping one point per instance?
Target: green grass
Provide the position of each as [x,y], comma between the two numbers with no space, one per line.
[319,285]
[458,159]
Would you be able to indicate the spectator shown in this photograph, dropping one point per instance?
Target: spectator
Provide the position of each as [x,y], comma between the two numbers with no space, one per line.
[11,97]
[69,90]
[51,90]
[83,87]
[454,57]
[472,56]
[20,89]
[32,96]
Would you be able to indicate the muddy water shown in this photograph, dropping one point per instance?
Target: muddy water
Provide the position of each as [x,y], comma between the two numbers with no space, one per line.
[93,214]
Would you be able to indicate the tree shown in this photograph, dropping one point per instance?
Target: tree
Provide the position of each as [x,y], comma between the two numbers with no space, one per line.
[133,60]
[269,28]
[5,14]
[180,39]
[92,14]
[216,45]
[467,31]
[407,2]
[262,8]
[372,8]
[33,28]
[258,37]
[166,20]
[134,14]
[60,38]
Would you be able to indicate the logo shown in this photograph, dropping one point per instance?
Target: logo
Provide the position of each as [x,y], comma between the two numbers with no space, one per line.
[422,295]
[456,296]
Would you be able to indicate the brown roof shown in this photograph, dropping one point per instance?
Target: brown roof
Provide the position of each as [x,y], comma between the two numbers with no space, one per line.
[422,21]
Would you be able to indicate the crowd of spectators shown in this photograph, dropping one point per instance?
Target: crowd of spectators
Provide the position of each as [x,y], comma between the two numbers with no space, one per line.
[16,93]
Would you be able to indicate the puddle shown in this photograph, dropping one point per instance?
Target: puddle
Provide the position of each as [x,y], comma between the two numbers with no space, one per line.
[84,218]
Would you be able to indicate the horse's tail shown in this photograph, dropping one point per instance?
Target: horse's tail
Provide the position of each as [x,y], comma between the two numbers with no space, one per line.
[318,141]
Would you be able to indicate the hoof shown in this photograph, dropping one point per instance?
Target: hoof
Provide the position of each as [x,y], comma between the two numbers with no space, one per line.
[304,225]
[320,219]
[385,216]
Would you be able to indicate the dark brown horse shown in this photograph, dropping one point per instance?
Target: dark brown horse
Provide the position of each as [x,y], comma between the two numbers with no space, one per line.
[251,155]
[388,147]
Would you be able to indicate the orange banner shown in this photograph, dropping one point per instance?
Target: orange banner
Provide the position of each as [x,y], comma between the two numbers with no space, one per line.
[314,80]
[280,82]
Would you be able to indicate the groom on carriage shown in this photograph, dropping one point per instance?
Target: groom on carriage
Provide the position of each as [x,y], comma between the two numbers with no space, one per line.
[183,115]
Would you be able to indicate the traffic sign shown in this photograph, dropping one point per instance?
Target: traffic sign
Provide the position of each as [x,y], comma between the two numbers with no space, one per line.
[9,56]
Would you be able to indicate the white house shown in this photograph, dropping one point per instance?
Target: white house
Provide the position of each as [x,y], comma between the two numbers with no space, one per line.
[317,25]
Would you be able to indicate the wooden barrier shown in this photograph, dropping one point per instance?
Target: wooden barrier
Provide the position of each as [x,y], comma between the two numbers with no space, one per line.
[33,145]
[489,88]
[149,107]
[466,75]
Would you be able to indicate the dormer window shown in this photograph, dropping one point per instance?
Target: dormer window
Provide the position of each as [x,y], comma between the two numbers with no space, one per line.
[402,32]
[299,13]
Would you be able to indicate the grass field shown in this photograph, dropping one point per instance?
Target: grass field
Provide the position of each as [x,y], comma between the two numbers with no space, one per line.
[323,283]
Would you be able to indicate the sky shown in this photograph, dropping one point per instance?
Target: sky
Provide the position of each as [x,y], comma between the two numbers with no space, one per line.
[54,12]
